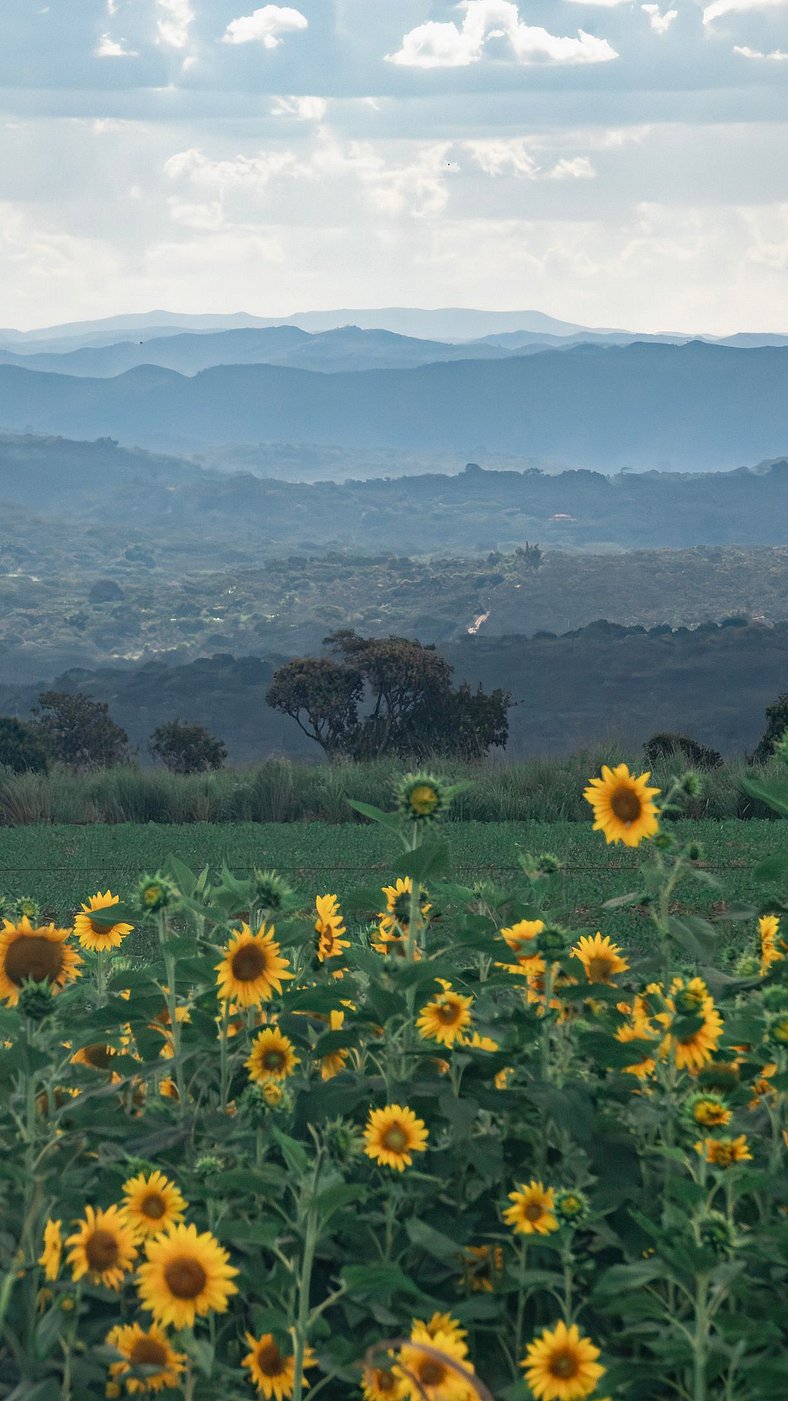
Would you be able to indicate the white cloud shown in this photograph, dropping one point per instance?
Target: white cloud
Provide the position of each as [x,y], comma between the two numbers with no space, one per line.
[718,8]
[578,168]
[241,171]
[450,45]
[601,4]
[265,26]
[172,25]
[113,48]
[304,109]
[775,55]
[501,157]
[660,22]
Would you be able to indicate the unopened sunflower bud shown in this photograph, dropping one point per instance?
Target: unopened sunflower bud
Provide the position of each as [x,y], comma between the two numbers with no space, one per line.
[664,841]
[777,1030]
[553,941]
[747,966]
[694,851]
[547,864]
[208,1166]
[717,1233]
[775,998]
[25,907]
[35,1000]
[272,893]
[571,1207]
[422,798]
[691,784]
[156,892]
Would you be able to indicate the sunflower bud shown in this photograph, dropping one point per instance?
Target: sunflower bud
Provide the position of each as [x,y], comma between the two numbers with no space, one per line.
[707,1110]
[36,1000]
[553,941]
[25,907]
[571,1207]
[343,1141]
[208,1166]
[422,798]
[694,851]
[691,784]
[747,966]
[271,891]
[777,1029]
[664,841]
[156,892]
[717,1233]
[775,998]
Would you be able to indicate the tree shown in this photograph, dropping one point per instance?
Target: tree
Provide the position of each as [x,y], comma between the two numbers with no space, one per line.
[776,727]
[80,731]
[410,706]
[665,745]
[186,748]
[21,747]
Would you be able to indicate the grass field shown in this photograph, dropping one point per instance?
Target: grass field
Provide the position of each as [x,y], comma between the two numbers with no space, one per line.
[62,865]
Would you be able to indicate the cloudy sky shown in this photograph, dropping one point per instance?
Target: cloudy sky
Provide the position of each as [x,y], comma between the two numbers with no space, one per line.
[606,161]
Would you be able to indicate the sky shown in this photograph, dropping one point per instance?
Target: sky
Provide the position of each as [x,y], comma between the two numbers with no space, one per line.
[608,162]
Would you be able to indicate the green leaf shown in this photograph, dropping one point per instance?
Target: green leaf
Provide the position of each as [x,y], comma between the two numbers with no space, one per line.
[293,1153]
[367,1281]
[392,820]
[427,862]
[114,914]
[774,794]
[773,868]
[435,1243]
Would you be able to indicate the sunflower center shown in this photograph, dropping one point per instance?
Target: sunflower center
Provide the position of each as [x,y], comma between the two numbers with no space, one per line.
[533,1212]
[99,929]
[599,970]
[33,957]
[626,805]
[274,1060]
[423,799]
[98,1055]
[185,1277]
[248,963]
[447,1013]
[101,1249]
[147,1352]
[154,1206]
[386,1381]
[564,1365]
[269,1359]
[395,1138]
[401,908]
[431,1372]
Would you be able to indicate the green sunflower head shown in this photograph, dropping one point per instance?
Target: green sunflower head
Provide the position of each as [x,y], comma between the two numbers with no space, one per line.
[156,892]
[272,893]
[421,798]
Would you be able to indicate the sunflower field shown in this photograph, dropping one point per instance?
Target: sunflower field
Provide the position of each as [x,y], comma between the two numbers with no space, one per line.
[461,1151]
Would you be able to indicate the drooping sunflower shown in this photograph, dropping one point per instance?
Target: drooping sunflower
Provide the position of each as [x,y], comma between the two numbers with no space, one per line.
[151,1203]
[252,969]
[99,937]
[393,1134]
[38,952]
[724,1152]
[446,1017]
[186,1274]
[600,957]
[49,1258]
[696,1026]
[103,1247]
[434,1365]
[532,1210]
[396,915]
[147,1348]
[271,1370]
[382,1384]
[333,1063]
[561,1365]
[272,1056]
[623,806]
[329,928]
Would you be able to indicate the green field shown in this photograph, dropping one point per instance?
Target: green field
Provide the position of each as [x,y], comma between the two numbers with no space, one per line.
[62,865]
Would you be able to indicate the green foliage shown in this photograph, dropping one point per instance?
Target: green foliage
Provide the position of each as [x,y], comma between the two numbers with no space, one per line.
[776,727]
[21,747]
[79,731]
[668,746]
[186,748]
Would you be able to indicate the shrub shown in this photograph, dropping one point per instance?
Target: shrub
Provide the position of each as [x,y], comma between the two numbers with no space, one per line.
[665,745]
[186,748]
[21,747]
[80,731]
[777,724]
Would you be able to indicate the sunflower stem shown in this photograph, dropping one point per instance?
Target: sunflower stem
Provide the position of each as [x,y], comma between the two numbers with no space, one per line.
[701,1339]
[521,1299]
[172,1006]
[311,1233]
[224,1058]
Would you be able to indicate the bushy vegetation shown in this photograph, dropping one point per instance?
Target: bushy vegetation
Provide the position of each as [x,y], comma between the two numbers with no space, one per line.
[183,748]
[472,1148]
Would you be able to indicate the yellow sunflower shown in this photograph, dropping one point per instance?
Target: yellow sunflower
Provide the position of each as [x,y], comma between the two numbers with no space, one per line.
[272,1057]
[389,942]
[251,970]
[521,939]
[40,952]
[724,1152]
[561,1365]
[482,1266]
[694,1047]
[53,1249]
[769,928]
[623,807]
[446,1017]
[151,1203]
[335,1061]
[443,1323]
[601,959]
[96,1056]
[710,1112]
[99,937]
[271,1370]
[434,1365]
[187,1274]
[382,1384]
[147,1348]
[329,928]
[397,912]
[393,1134]
[638,1030]
[103,1247]
[532,1212]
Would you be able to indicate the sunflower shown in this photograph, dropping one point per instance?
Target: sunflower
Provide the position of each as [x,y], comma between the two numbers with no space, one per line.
[251,970]
[271,1370]
[769,928]
[149,1348]
[99,937]
[272,1057]
[422,798]
[446,1017]
[334,1062]
[622,805]
[482,1266]
[444,1323]
[103,1247]
[329,928]
[49,1258]
[521,939]
[696,1026]
[638,1030]
[393,1134]
[37,952]
[724,1152]
[382,1384]
[185,1275]
[600,958]
[709,1111]
[434,1365]
[390,942]
[561,1365]
[398,900]
[96,1056]
[532,1210]
[475,1042]
[151,1203]
[762,1087]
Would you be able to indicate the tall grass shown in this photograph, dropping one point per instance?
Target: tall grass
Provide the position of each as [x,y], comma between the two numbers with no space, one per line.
[541,790]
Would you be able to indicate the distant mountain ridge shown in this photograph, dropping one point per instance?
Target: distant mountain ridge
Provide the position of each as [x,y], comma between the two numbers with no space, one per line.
[694,407]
